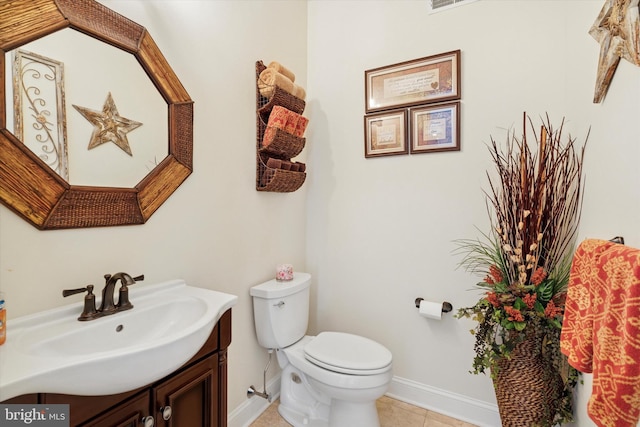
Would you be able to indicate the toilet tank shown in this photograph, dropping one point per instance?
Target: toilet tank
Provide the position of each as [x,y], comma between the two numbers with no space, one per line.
[281,310]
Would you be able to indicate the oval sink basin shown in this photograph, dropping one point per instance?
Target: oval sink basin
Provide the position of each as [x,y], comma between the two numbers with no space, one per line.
[53,352]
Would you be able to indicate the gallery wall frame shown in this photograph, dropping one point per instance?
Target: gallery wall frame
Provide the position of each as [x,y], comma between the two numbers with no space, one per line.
[385,134]
[435,128]
[425,80]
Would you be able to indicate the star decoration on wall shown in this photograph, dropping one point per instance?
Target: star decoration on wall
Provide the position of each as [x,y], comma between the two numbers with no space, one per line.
[617,29]
[108,125]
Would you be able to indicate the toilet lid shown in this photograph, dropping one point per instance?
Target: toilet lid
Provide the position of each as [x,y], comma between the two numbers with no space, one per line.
[347,353]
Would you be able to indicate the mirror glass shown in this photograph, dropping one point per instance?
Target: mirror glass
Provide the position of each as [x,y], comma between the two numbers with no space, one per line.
[49,78]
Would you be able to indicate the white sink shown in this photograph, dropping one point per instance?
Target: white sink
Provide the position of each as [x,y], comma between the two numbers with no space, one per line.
[53,352]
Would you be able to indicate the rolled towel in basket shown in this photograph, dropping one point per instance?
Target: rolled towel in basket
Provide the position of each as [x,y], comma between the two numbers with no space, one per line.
[299,92]
[292,122]
[278,119]
[286,165]
[301,126]
[286,120]
[274,163]
[269,79]
[282,70]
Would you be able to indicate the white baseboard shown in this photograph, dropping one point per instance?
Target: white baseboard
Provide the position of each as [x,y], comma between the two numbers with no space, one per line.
[434,399]
[444,402]
[253,407]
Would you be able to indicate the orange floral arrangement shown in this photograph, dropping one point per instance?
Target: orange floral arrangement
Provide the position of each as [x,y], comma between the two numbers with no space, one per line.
[534,206]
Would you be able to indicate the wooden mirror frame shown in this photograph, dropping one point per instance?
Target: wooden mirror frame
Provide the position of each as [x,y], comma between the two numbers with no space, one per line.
[33,190]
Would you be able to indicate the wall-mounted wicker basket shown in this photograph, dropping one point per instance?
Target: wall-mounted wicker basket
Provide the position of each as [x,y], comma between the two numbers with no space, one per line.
[284,145]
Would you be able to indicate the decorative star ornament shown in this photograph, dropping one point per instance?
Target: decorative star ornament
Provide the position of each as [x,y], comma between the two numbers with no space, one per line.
[108,125]
[617,29]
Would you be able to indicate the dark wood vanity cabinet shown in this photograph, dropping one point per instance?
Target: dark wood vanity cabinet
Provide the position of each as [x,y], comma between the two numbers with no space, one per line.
[127,414]
[193,396]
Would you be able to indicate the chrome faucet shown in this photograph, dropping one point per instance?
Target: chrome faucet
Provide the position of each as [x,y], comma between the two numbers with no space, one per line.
[108,305]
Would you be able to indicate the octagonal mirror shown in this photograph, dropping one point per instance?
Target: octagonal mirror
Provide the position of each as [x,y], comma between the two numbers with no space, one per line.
[36,192]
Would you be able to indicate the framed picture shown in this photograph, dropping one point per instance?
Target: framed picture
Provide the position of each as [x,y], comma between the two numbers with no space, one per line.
[435,128]
[420,81]
[385,134]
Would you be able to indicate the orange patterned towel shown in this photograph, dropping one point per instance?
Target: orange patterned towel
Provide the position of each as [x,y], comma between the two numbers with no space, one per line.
[601,329]
[277,120]
[301,126]
[286,120]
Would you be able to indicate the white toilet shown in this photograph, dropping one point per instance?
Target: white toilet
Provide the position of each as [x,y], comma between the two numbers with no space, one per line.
[330,380]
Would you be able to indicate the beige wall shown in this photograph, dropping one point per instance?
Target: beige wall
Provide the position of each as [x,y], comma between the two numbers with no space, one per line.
[375,233]
[216,231]
[381,230]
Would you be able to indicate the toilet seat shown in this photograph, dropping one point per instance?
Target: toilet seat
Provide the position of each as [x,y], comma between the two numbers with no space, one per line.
[348,354]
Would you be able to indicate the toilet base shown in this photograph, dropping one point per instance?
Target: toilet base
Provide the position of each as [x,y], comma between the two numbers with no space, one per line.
[300,404]
[298,419]
[343,414]
[319,398]
[349,414]
[303,405]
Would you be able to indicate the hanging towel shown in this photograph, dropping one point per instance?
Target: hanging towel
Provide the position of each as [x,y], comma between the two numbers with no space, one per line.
[282,70]
[601,329]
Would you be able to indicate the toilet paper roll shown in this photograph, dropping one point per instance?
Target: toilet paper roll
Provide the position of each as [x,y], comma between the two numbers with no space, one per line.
[430,310]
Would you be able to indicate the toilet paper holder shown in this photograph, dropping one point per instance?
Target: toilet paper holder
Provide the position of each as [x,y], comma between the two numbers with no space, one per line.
[446,306]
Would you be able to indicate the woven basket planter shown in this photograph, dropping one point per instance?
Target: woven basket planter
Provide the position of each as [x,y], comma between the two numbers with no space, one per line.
[528,389]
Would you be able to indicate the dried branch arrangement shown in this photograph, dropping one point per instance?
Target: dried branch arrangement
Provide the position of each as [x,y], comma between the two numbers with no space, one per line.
[534,204]
[536,199]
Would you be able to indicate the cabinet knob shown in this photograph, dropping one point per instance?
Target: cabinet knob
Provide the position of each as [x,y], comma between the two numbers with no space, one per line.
[166,412]
[147,421]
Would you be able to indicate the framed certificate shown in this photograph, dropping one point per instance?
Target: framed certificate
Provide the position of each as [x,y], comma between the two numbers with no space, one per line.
[420,81]
[435,128]
[385,134]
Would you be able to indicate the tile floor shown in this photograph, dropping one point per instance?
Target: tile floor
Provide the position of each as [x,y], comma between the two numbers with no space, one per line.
[392,412]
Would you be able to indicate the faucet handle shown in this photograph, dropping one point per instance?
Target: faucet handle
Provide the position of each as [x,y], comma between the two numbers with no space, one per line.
[69,292]
[123,295]
[89,311]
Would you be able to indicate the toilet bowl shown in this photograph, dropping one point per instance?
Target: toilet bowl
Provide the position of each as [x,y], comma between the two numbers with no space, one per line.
[339,396]
[329,380]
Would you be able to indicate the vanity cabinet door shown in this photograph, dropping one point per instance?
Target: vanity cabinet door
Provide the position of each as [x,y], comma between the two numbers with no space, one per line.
[189,398]
[128,414]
